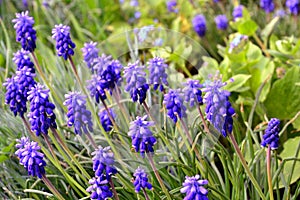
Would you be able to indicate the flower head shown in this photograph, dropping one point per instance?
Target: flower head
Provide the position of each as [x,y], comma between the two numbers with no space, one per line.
[193,187]
[293,6]
[221,22]
[30,157]
[158,75]
[26,35]
[41,116]
[21,58]
[78,115]
[199,24]
[101,62]
[96,89]
[271,136]
[25,79]
[141,180]
[105,120]
[90,52]
[134,3]
[218,108]
[280,13]
[192,92]
[174,104]
[171,6]
[237,12]
[110,75]
[136,82]
[64,44]
[103,162]
[267,5]
[99,188]
[142,137]
[14,97]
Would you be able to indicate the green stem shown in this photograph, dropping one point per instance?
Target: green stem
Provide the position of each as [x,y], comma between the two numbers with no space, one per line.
[92,141]
[51,187]
[243,161]
[145,194]
[206,129]
[261,44]
[269,173]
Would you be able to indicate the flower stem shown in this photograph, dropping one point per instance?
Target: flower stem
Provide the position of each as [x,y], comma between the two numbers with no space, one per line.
[243,161]
[163,187]
[51,187]
[92,141]
[261,44]
[113,189]
[269,172]
[202,119]
[145,194]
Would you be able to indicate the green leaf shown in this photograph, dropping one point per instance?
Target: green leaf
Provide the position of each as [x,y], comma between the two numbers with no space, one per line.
[269,28]
[247,27]
[3,158]
[283,101]
[237,83]
[210,66]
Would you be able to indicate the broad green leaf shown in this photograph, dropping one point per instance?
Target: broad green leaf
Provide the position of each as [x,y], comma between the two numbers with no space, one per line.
[265,33]
[209,67]
[247,27]
[296,123]
[237,83]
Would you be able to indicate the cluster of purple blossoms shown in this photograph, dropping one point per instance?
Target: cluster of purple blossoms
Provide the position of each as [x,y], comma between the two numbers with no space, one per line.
[271,136]
[110,75]
[142,137]
[99,188]
[25,79]
[199,24]
[105,120]
[21,58]
[78,115]
[171,6]
[100,63]
[192,92]
[96,91]
[237,12]
[221,22]
[90,52]
[136,85]
[41,116]
[174,104]
[267,5]
[193,188]
[26,35]
[293,6]
[218,108]
[141,180]
[64,44]
[30,157]
[158,75]
[134,3]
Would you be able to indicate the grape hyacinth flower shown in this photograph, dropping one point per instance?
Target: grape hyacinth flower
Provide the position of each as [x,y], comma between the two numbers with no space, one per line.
[105,120]
[95,88]
[78,115]
[199,24]
[100,63]
[26,35]
[141,180]
[193,187]
[90,52]
[41,116]
[192,92]
[136,85]
[99,188]
[134,3]
[110,75]
[171,6]
[267,5]
[21,58]
[64,44]
[30,157]
[142,137]
[25,79]
[174,104]
[142,33]
[221,22]
[237,12]
[280,13]
[137,14]
[14,97]
[103,162]
[293,6]
[218,110]
[237,43]
[271,136]
[158,75]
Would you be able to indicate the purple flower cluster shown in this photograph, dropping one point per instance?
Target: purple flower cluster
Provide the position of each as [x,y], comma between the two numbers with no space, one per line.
[25,79]
[99,188]
[237,12]
[267,5]
[199,24]
[221,22]
[26,35]
[41,116]
[192,92]
[171,6]
[95,88]
[64,44]
[110,75]
[21,58]
[30,157]
[142,137]
[271,136]
[78,115]
[293,6]
[193,188]
[141,180]
[100,63]
[90,52]
[158,75]
[105,120]
[174,104]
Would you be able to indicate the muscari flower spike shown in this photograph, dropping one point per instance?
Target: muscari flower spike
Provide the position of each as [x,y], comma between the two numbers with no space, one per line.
[100,63]
[26,35]
[134,3]
[41,116]
[237,12]
[192,92]
[105,120]
[99,188]
[267,5]
[293,6]
[30,157]
[174,104]
[90,52]
[64,43]
[136,85]
[78,115]
[158,76]
[171,6]
[199,24]
[271,136]
[221,22]
[218,110]
[193,187]
[141,180]
[14,97]
[142,137]
[25,79]
[103,162]
[21,58]
[95,88]
[111,75]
